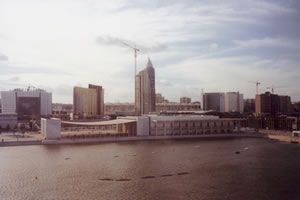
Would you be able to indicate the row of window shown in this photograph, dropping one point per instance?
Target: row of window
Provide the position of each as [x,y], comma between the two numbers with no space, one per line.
[190,124]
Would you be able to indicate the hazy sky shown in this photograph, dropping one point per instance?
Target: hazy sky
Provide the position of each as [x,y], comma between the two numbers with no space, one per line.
[216,45]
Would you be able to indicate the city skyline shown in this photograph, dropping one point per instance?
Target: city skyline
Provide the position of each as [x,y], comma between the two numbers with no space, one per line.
[217,47]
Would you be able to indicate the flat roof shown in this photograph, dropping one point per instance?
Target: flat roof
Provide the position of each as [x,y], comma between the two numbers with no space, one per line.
[100,123]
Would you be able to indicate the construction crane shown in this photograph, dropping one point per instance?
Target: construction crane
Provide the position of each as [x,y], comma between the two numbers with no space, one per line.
[135,55]
[257,85]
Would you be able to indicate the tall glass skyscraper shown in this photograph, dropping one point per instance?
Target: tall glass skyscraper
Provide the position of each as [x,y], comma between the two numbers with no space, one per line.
[145,90]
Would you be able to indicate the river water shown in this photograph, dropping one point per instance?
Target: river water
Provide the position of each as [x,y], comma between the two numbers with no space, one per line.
[243,169]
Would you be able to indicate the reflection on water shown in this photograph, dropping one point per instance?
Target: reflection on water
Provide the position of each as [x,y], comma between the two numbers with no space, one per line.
[187,169]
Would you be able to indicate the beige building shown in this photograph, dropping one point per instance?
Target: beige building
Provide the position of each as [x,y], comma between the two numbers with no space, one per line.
[145,90]
[88,102]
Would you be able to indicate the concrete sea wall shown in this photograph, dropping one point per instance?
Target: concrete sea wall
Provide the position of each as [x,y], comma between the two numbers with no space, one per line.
[143,138]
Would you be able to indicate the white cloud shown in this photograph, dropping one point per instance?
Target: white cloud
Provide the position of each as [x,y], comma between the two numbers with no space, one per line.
[269,42]
[214,46]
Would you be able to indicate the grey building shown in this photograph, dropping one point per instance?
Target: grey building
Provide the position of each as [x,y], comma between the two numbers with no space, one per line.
[214,101]
[145,90]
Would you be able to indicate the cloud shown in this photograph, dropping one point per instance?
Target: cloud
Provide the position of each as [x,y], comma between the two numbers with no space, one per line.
[268,42]
[163,83]
[124,43]
[214,46]
[17,68]
[14,79]
[3,57]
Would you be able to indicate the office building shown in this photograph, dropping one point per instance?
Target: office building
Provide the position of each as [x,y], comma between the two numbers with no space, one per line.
[271,104]
[285,104]
[214,101]
[100,98]
[88,102]
[27,103]
[267,104]
[234,102]
[145,90]
[185,100]
[249,105]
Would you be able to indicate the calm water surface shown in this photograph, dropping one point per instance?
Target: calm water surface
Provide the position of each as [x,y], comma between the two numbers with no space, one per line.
[187,169]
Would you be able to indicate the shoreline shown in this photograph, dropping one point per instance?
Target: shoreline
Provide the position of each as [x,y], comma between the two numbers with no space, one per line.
[287,139]
[143,138]
[124,139]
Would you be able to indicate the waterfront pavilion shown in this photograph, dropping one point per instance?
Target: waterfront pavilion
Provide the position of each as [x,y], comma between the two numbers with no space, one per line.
[118,127]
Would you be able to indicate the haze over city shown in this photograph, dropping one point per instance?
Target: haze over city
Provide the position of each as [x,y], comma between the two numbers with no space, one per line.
[211,45]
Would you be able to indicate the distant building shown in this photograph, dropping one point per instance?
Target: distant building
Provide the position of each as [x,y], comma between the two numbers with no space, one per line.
[145,90]
[234,102]
[160,99]
[27,103]
[249,105]
[285,104]
[119,108]
[88,102]
[8,121]
[160,107]
[100,98]
[223,102]
[62,108]
[185,100]
[214,101]
[271,104]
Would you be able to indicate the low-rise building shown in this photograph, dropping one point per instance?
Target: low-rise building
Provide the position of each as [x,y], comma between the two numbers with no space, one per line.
[178,107]
[185,100]
[8,121]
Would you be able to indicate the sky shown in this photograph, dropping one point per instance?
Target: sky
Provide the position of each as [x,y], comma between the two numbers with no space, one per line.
[209,45]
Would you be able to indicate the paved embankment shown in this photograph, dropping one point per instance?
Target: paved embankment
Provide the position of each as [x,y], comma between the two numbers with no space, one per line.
[284,136]
[20,143]
[143,138]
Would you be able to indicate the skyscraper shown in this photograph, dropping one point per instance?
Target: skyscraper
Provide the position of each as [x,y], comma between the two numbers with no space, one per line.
[100,98]
[145,90]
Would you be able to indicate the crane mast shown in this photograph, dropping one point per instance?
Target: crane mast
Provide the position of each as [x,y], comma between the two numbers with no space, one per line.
[135,68]
[257,83]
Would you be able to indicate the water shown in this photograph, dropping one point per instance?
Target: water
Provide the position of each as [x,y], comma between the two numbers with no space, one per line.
[188,169]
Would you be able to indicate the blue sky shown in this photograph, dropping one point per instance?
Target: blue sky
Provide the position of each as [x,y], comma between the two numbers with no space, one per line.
[217,46]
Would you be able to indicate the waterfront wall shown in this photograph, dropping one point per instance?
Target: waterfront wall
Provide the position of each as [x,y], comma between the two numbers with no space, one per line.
[145,138]
[20,143]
